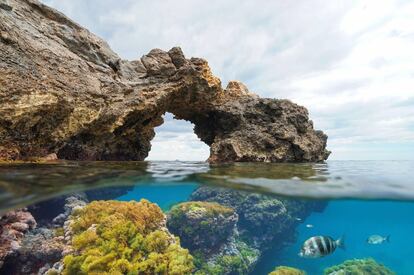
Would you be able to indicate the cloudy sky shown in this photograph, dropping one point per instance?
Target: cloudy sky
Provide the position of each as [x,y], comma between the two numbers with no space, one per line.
[351,63]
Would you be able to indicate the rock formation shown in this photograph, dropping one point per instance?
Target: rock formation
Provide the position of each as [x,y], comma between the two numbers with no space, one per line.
[202,226]
[64,93]
[209,231]
[262,219]
[227,231]
[286,270]
[13,226]
[359,266]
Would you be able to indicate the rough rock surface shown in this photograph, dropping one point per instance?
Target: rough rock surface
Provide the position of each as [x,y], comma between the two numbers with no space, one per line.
[202,226]
[64,93]
[39,250]
[13,226]
[42,248]
[263,220]
[209,231]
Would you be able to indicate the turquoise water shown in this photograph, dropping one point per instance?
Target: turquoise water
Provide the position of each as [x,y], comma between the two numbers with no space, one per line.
[357,220]
[356,199]
[163,196]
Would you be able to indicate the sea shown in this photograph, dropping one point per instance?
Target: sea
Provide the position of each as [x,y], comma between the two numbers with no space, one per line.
[363,198]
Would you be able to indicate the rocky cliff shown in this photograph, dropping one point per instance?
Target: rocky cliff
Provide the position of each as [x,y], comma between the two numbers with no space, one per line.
[65,93]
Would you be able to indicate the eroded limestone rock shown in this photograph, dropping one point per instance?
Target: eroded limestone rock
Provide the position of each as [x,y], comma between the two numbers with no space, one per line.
[63,91]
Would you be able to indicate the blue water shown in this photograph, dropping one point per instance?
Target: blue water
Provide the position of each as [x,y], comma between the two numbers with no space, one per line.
[357,220]
[163,195]
[168,183]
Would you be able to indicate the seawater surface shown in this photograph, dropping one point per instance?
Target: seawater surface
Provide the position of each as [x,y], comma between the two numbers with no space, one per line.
[358,198]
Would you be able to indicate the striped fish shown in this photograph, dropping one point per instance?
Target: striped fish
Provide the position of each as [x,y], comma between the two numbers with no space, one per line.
[320,246]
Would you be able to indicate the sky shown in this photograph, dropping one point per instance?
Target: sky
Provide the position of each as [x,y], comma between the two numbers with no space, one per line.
[351,63]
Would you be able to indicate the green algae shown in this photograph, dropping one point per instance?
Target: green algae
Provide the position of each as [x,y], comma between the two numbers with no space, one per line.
[359,267]
[113,237]
[286,270]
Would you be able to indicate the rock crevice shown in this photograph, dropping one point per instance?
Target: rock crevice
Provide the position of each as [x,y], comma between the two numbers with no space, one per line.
[64,91]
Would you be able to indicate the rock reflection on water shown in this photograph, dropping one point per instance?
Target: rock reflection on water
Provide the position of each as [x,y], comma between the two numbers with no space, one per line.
[25,183]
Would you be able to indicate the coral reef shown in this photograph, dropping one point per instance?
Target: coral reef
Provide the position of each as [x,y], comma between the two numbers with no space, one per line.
[359,267]
[13,226]
[64,93]
[112,237]
[285,270]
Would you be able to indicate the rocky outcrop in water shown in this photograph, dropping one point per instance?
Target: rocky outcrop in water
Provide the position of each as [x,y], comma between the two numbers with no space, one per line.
[359,266]
[13,226]
[65,94]
[42,248]
[209,231]
[264,222]
[262,219]
[286,270]
[39,251]
[202,226]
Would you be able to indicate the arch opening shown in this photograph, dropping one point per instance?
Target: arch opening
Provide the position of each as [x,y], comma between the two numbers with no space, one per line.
[175,140]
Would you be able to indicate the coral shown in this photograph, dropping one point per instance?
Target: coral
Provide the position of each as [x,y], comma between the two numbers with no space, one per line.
[359,267]
[113,237]
[65,93]
[285,270]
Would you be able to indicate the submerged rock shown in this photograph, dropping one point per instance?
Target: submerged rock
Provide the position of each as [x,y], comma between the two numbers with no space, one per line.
[39,250]
[264,222]
[285,270]
[13,227]
[359,266]
[262,219]
[202,226]
[63,91]
[209,231]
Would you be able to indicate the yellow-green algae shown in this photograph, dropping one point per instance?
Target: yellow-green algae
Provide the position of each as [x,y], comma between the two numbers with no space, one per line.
[359,267]
[211,208]
[113,237]
[285,270]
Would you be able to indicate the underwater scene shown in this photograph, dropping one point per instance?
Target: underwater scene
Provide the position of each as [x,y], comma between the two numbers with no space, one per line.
[338,217]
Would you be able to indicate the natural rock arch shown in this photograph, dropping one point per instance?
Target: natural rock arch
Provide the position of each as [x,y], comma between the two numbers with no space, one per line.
[175,140]
[64,91]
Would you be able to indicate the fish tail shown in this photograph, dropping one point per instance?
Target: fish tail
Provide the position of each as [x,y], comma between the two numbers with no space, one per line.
[341,242]
[388,238]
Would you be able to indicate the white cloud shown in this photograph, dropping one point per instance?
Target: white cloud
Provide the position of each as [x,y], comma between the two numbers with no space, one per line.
[349,62]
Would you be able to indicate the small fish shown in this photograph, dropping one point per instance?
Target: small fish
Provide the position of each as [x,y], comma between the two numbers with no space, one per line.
[320,246]
[298,219]
[309,225]
[377,239]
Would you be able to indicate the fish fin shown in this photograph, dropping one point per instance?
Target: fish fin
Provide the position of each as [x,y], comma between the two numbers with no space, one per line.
[388,238]
[341,242]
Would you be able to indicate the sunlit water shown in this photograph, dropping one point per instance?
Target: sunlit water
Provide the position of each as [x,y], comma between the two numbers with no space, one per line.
[364,198]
